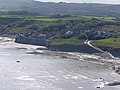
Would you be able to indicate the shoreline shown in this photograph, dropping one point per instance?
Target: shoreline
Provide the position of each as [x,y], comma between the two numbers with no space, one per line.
[113,63]
[11,41]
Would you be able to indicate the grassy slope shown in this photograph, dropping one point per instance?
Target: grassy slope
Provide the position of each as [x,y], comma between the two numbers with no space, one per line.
[110,43]
[106,42]
[70,41]
[48,18]
[46,21]
[71,18]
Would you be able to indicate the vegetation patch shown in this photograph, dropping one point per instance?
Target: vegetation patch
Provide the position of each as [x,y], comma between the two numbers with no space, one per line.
[111,28]
[57,18]
[110,43]
[70,41]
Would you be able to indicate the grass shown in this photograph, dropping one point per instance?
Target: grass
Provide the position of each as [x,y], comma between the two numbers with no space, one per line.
[52,19]
[112,19]
[111,42]
[49,18]
[70,41]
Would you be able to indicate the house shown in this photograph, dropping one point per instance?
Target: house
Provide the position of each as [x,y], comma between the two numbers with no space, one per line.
[69,32]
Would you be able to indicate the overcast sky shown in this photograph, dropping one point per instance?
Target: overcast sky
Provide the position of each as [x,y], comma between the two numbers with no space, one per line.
[85,1]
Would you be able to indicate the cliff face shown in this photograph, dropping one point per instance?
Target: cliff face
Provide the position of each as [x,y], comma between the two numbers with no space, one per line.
[74,48]
[66,48]
[33,41]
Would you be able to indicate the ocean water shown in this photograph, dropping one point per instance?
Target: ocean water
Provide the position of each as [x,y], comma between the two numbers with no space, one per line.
[42,72]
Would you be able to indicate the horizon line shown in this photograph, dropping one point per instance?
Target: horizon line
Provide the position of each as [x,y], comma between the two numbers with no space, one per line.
[78,2]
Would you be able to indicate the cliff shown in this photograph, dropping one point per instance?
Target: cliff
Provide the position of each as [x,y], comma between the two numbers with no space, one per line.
[33,41]
[74,48]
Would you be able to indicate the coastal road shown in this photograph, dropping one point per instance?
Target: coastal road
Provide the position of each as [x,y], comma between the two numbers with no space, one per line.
[89,44]
[42,72]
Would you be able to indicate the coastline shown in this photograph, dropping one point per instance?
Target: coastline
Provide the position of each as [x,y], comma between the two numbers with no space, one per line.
[100,58]
[11,41]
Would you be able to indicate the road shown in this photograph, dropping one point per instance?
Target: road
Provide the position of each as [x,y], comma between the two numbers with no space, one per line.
[89,44]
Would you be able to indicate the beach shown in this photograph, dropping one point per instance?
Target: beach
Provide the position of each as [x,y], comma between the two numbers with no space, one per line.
[31,65]
[35,49]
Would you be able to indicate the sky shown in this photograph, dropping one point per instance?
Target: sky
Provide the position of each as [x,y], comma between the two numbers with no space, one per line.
[85,1]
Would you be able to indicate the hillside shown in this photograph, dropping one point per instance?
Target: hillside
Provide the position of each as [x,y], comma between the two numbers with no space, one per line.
[48,8]
[111,45]
[63,31]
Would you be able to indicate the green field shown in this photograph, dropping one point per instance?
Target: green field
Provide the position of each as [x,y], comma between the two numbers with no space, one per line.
[49,18]
[70,41]
[111,42]
[112,19]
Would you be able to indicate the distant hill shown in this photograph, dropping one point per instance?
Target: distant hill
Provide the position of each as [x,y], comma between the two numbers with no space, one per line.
[49,8]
